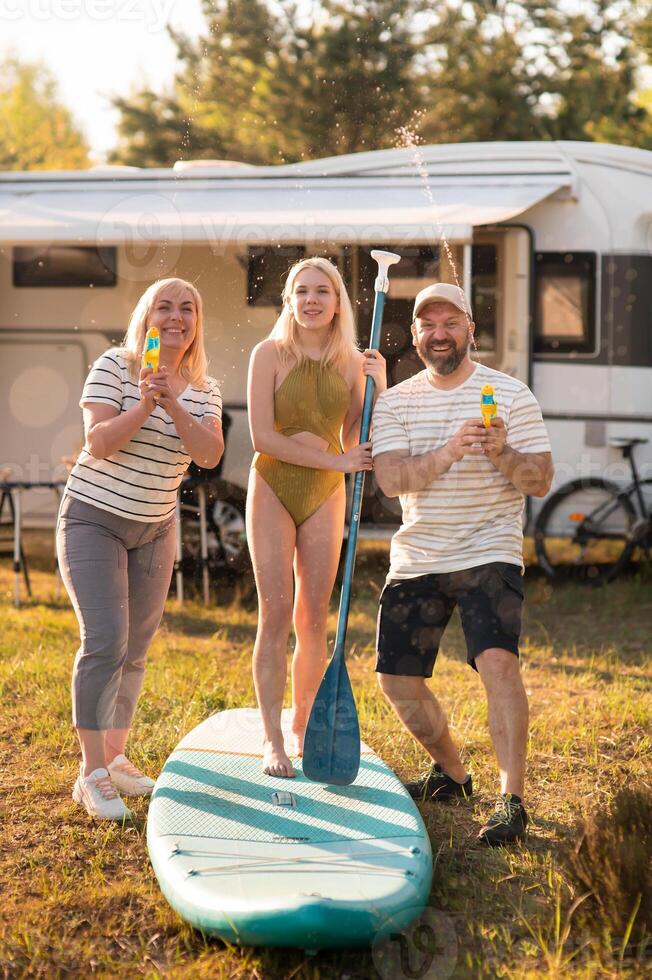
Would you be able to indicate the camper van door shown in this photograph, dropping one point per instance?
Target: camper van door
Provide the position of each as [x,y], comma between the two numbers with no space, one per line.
[40,383]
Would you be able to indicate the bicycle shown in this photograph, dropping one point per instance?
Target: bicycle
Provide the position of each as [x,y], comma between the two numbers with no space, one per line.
[591,528]
[226,539]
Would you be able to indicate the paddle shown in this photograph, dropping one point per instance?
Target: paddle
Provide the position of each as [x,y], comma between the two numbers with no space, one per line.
[331,751]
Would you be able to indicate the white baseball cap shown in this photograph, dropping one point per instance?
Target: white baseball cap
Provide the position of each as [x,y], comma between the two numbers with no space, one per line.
[442,292]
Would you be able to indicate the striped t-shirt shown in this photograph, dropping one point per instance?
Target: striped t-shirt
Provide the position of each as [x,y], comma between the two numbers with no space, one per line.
[140,481]
[472,514]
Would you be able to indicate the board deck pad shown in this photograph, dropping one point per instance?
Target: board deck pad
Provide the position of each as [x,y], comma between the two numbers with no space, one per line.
[260,860]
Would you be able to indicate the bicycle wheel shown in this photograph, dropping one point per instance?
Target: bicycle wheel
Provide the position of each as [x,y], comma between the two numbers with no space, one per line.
[642,533]
[584,531]
[225,526]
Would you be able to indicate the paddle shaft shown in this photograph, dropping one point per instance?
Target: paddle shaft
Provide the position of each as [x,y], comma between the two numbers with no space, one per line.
[331,752]
[358,486]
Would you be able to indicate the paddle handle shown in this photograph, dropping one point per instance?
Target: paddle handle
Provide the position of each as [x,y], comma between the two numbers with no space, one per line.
[384,260]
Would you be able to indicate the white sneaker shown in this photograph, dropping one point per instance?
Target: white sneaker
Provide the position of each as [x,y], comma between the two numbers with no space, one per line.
[99,796]
[128,778]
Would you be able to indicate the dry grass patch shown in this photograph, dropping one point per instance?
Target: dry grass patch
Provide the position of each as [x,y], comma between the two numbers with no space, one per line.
[80,899]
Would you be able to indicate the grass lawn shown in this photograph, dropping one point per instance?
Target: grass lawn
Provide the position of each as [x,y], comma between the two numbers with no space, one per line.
[80,899]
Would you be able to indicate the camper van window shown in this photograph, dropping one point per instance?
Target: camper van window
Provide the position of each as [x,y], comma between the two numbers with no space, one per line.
[64,266]
[565,302]
[484,295]
[419,265]
[627,309]
[267,269]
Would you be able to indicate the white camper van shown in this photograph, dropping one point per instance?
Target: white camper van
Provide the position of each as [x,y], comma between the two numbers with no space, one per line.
[551,241]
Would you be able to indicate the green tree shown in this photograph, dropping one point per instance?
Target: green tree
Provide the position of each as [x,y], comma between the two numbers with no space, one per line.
[539,70]
[481,85]
[279,83]
[280,86]
[218,96]
[37,132]
[354,77]
[592,56]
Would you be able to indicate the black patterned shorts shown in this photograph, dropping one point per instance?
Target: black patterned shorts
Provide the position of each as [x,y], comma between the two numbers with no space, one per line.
[414,613]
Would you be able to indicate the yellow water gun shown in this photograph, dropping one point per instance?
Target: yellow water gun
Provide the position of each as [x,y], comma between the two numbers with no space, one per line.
[152,349]
[488,406]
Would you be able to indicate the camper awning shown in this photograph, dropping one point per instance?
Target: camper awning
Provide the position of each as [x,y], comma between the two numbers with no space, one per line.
[265,210]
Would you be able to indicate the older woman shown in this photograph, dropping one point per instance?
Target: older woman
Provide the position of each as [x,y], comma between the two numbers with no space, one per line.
[116,528]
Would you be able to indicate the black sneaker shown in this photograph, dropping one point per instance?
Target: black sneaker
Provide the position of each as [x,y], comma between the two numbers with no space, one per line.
[507,825]
[436,785]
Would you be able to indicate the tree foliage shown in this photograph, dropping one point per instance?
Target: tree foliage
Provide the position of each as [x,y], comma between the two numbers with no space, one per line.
[279,85]
[37,132]
[592,56]
[539,70]
[272,83]
[481,85]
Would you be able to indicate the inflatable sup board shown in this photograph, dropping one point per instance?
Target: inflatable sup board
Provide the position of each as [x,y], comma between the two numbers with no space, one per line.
[262,861]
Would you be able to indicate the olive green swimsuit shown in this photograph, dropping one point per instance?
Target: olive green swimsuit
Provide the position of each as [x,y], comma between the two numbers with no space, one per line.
[312,398]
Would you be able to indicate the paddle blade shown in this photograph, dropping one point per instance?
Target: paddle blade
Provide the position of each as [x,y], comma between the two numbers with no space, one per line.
[331,751]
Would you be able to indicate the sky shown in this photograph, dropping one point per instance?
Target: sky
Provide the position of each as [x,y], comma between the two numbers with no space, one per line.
[98,48]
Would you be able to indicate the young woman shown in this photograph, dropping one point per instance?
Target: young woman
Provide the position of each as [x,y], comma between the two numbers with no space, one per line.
[116,528]
[305,394]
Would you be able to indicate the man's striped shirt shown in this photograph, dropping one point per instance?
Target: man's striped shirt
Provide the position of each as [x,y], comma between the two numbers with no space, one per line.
[140,481]
[472,514]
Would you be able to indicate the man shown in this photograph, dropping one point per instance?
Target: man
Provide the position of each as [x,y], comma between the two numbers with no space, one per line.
[461,488]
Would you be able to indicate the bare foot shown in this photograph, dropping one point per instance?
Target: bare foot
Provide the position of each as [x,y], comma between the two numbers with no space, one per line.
[276,761]
[296,743]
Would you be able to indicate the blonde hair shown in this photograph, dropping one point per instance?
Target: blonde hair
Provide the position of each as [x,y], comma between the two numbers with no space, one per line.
[342,342]
[194,363]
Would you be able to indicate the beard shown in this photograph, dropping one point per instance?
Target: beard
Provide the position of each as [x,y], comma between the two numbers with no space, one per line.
[448,361]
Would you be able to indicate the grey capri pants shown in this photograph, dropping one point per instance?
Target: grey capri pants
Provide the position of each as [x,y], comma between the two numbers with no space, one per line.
[117,572]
